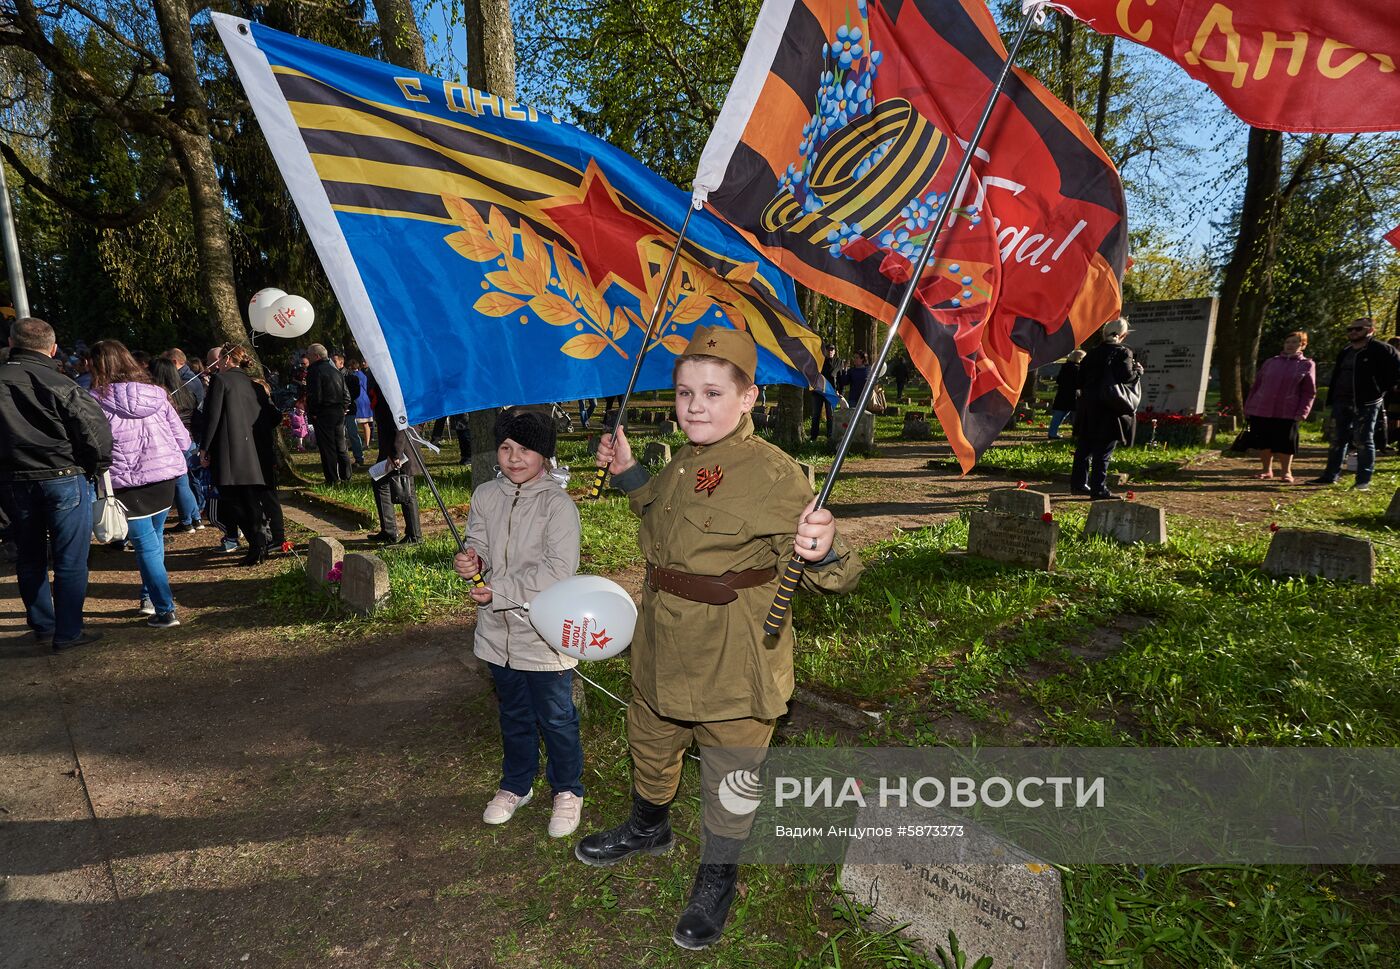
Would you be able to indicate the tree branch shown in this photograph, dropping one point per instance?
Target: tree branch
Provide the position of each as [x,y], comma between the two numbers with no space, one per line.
[169,177]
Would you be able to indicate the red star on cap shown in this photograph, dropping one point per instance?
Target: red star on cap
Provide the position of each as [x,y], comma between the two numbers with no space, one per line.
[607,237]
[711,344]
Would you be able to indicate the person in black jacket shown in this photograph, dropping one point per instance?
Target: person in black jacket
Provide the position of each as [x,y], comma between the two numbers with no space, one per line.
[230,450]
[1066,393]
[327,403]
[53,438]
[395,487]
[1365,371]
[1098,429]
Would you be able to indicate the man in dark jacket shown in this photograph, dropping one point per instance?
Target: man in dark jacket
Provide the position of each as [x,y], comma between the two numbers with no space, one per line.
[1066,400]
[327,403]
[1365,371]
[188,378]
[53,438]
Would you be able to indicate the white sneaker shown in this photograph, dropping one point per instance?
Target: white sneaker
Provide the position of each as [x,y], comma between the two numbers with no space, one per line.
[503,806]
[568,809]
[147,608]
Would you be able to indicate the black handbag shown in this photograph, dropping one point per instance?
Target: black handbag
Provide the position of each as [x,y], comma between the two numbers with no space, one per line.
[1121,399]
[400,487]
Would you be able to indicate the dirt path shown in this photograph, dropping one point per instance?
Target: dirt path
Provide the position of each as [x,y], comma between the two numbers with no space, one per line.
[228,794]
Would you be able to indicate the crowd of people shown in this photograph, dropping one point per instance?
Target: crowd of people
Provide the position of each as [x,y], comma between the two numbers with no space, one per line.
[1099,391]
[168,437]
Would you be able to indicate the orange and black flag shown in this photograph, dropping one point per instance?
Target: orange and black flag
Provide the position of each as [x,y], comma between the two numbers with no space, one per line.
[840,137]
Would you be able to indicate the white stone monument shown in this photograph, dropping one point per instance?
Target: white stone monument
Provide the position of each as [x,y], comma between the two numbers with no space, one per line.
[1173,338]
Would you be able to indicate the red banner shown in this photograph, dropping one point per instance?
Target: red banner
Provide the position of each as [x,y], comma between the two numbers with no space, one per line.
[1290,65]
[1393,237]
[839,140]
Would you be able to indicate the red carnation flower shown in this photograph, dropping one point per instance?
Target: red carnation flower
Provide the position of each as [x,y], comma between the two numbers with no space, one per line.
[1132,495]
[1047,517]
[1273,526]
[1020,484]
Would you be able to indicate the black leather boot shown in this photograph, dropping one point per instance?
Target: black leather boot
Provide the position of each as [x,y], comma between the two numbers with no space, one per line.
[702,922]
[646,830]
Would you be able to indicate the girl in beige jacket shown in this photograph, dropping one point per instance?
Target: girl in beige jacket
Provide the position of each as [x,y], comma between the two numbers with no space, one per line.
[523,536]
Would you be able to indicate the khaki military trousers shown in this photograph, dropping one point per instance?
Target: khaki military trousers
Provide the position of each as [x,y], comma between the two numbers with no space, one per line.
[658,745]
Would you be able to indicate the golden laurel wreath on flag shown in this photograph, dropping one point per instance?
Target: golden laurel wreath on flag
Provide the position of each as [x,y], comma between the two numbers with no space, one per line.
[545,280]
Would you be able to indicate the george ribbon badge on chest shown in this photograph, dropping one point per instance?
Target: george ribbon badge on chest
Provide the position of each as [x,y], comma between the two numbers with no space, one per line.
[708,479]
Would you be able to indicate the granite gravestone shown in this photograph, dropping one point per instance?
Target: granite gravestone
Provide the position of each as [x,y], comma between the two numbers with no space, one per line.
[1392,514]
[864,439]
[656,452]
[1173,340]
[364,584]
[915,427]
[1012,538]
[1327,555]
[1012,912]
[1019,501]
[667,427]
[322,555]
[1127,522]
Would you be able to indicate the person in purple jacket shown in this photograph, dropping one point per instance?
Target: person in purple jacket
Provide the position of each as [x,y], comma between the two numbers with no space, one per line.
[1281,397]
[148,458]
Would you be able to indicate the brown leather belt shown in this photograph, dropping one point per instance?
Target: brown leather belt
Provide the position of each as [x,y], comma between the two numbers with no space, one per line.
[714,590]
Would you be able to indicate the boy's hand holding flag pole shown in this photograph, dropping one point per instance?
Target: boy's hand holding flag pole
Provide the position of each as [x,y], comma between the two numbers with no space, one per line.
[665,289]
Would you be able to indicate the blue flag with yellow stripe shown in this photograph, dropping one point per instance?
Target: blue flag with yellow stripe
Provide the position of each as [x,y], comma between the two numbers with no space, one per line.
[485,254]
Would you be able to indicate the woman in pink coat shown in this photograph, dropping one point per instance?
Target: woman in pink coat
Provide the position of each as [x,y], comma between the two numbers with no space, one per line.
[148,458]
[1284,389]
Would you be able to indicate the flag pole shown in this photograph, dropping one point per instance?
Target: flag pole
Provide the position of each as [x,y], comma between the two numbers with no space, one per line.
[787,586]
[656,310]
[413,439]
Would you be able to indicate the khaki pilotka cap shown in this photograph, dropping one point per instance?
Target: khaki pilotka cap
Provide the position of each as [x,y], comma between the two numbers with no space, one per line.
[735,346]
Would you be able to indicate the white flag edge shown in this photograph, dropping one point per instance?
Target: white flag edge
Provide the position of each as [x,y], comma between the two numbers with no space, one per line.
[743,95]
[309,195]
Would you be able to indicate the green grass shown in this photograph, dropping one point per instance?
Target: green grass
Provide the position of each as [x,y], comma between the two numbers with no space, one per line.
[1227,656]
[1044,459]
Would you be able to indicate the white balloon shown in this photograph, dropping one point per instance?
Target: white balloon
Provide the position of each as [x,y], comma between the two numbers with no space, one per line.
[291,317]
[587,617]
[260,308]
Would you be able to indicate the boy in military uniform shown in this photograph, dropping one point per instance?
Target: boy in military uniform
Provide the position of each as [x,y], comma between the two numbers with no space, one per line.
[718,523]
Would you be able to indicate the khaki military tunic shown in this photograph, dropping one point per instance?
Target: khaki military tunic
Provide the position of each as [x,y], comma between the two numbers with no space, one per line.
[728,506]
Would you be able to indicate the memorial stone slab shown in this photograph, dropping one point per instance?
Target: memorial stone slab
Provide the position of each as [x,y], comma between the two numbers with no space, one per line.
[1173,340]
[656,451]
[364,583]
[667,427]
[891,412]
[1127,522]
[1013,913]
[916,430]
[1019,501]
[322,555]
[864,439]
[1392,514]
[1327,555]
[1013,539]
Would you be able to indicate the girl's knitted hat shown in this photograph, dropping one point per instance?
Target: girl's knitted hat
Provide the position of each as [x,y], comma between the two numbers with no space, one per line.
[528,429]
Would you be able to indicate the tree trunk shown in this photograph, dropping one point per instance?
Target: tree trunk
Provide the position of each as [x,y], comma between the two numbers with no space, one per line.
[1243,289]
[211,237]
[398,31]
[863,334]
[788,431]
[1248,286]
[1105,80]
[1067,89]
[490,47]
[490,68]
[190,139]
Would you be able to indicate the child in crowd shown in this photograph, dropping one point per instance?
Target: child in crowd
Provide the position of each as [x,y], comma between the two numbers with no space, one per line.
[297,424]
[718,524]
[523,536]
